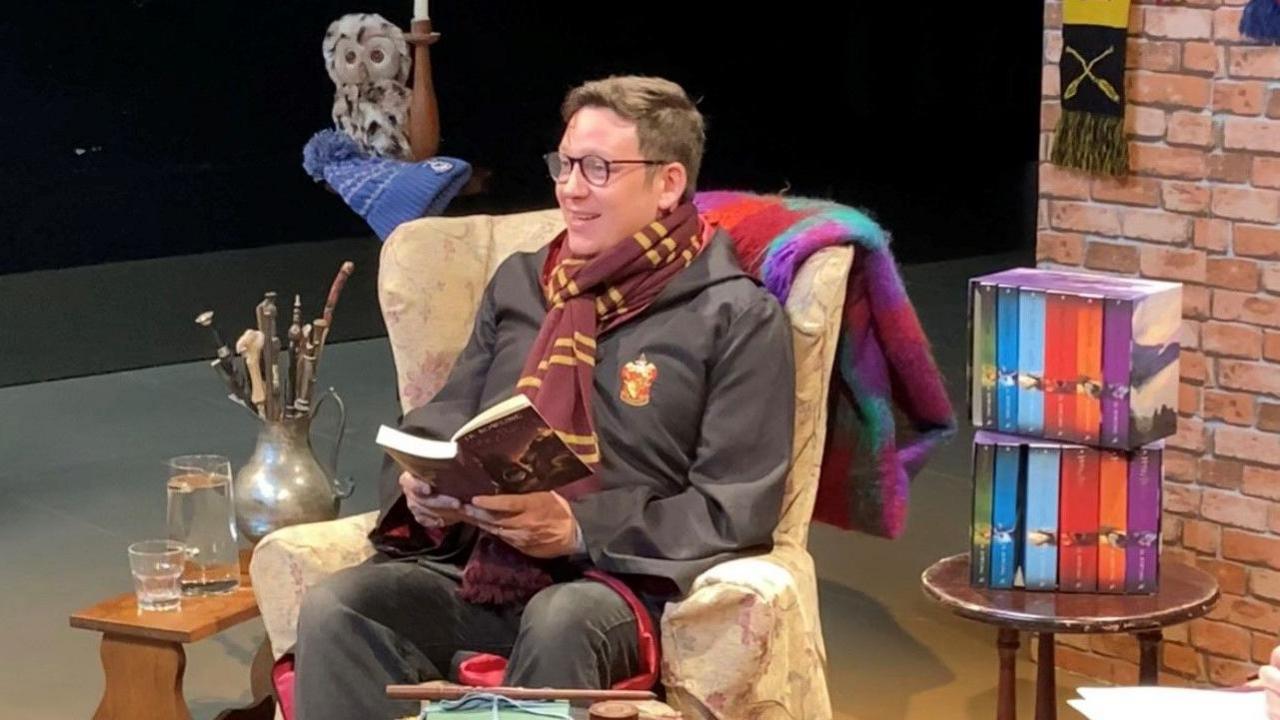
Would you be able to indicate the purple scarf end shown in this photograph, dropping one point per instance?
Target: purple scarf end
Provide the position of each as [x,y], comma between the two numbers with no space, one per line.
[497,574]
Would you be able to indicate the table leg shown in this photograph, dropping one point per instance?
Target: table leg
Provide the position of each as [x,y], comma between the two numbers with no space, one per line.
[143,679]
[1046,680]
[1149,666]
[1006,695]
[263,705]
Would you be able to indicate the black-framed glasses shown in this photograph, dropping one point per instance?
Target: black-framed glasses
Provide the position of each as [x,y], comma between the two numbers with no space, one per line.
[595,169]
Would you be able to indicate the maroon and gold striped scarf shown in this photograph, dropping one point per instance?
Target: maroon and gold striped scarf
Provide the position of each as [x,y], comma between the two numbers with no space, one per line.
[584,297]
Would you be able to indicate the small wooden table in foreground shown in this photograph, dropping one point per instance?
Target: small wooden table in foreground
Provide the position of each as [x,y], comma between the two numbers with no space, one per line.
[1185,593]
[144,661]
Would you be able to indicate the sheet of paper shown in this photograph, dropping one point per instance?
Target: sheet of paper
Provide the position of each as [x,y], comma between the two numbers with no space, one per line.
[1164,703]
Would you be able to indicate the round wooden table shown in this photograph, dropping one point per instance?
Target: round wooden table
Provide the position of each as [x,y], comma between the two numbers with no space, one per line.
[1185,593]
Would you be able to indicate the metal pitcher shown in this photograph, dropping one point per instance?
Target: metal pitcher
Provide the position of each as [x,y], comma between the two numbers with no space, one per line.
[282,483]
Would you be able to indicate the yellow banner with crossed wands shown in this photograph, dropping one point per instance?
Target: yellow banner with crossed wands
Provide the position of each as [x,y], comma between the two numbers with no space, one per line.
[1086,73]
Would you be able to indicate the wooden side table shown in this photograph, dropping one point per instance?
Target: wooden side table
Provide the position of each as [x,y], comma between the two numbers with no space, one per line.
[1185,593]
[144,661]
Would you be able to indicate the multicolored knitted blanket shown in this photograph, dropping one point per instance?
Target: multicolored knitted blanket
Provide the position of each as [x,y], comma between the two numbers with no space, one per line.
[883,355]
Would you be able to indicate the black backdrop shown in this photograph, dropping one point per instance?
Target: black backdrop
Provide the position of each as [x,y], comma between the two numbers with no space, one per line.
[144,128]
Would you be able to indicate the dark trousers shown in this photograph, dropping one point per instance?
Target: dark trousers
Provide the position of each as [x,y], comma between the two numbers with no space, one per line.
[383,623]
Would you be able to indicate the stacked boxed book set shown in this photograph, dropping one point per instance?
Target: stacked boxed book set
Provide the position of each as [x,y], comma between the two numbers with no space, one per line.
[1073,386]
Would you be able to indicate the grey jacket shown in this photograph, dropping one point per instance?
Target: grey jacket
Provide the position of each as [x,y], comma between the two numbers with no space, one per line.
[692,478]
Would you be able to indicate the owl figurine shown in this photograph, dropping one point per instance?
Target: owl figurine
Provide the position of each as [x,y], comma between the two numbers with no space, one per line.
[368,60]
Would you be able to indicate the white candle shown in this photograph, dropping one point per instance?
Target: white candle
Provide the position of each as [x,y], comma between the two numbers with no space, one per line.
[420,10]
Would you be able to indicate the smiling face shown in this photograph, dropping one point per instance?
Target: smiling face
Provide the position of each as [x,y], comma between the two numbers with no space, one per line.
[597,218]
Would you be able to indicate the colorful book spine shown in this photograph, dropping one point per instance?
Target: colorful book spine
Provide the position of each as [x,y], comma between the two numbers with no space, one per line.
[1078,521]
[980,549]
[1041,537]
[973,368]
[1142,548]
[1089,369]
[1031,321]
[1069,366]
[985,411]
[1004,516]
[1007,359]
[1117,354]
[1113,513]
[1055,305]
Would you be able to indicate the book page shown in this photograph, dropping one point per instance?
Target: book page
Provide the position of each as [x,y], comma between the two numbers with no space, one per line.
[393,439]
[511,405]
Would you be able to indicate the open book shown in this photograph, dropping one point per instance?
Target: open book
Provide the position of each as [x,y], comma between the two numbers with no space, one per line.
[506,449]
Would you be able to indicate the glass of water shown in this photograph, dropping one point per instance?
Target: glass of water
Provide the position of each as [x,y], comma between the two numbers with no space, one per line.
[201,516]
[157,566]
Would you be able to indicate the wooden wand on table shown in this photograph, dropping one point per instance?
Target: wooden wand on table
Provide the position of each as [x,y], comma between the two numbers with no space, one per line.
[454,692]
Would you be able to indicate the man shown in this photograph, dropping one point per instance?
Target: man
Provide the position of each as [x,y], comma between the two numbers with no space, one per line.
[666,367]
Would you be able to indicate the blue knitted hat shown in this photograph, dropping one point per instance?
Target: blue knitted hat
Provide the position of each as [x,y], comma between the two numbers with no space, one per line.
[383,191]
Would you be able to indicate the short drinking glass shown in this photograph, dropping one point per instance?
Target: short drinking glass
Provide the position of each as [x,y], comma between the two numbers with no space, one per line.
[157,566]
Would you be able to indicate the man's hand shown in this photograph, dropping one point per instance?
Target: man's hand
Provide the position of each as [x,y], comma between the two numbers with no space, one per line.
[429,509]
[538,524]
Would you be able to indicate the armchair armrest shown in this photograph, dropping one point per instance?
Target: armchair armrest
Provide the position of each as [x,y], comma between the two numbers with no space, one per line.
[289,560]
[746,641]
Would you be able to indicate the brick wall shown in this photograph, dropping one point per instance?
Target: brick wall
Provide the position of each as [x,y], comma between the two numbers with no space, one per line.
[1200,207]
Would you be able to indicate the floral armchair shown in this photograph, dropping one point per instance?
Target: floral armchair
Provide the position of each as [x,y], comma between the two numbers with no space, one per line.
[747,640]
